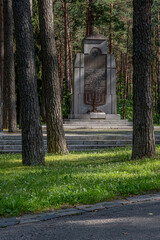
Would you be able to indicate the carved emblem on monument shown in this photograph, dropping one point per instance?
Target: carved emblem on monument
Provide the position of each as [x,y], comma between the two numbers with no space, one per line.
[95,79]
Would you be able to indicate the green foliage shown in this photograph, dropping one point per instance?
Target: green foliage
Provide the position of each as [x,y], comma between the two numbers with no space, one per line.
[129,109]
[156,118]
[66,105]
[77,178]
[122,14]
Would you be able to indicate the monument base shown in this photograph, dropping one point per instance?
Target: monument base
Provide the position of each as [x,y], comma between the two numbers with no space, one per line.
[93,115]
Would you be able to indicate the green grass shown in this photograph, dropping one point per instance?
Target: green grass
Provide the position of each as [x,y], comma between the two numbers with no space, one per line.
[74,179]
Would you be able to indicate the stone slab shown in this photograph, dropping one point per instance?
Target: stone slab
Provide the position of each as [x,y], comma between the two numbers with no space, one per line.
[97,115]
[91,208]
[114,203]
[144,198]
[4,222]
[88,116]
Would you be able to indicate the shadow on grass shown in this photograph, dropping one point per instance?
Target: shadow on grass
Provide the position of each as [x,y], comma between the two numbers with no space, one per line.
[11,161]
[74,179]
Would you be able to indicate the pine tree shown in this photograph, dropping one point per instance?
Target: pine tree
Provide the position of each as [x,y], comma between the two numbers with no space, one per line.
[9,71]
[143,130]
[55,132]
[32,139]
[1,64]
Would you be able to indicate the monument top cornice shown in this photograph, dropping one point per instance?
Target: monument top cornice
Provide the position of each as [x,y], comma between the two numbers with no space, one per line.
[95,37]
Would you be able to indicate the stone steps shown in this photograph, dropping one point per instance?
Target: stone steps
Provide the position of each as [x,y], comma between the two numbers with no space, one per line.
[76,140]
[76,121]
[74,127]
[13,144]
[95,126]
[94,123]
[8,140]
[111,123]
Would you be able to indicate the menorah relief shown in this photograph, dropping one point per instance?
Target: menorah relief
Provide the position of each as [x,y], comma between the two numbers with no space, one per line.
[94,99]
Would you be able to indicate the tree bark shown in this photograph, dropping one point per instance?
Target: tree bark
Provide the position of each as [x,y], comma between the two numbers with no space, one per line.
[158,62]
[87,18]
[55,131]
[121,76]
[9,70]
[111,30]
[1,64]
[154,67]
[68,68]
[126,74]
[43,108]
[143,129]
[61,63]
[32,139]
[5,93]
[91,16]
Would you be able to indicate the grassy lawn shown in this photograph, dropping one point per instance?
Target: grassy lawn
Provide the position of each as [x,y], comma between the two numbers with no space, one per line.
[78,178]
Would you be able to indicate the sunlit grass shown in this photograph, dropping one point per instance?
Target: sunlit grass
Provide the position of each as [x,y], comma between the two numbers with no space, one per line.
[81,177]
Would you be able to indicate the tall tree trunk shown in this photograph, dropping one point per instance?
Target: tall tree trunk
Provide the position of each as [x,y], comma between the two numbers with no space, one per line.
[43,108]
[61,63]
[5,99]
[1,64]
[32,139]
[70,57]
[143,129]
[87,18]
[111,30]
[55,131]
[126,74]
[9,70]
[67,48]
[153,67]
[158,61]
[91,16]
[121,76]
[131,80]
[125,90]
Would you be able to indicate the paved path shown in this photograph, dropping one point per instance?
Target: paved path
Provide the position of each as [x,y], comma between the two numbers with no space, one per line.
[138,220]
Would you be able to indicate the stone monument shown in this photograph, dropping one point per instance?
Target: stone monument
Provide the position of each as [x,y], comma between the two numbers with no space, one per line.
[94,87]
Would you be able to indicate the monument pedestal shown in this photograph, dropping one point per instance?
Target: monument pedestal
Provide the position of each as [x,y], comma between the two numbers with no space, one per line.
[95,116]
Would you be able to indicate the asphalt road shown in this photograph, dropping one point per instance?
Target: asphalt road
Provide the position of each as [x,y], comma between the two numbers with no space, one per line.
[129,222]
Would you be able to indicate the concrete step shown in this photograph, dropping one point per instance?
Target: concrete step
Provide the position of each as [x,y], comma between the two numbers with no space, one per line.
[83,145]
[77,140]
[88,118]
[71,142]
[90,147]
[97,122]
[16,140]
[99,137]
[18,149]
[98,142]
[97,127]
[18,144]
[13,148]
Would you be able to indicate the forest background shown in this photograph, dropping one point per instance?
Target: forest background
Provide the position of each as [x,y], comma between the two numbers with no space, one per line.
[113,19]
